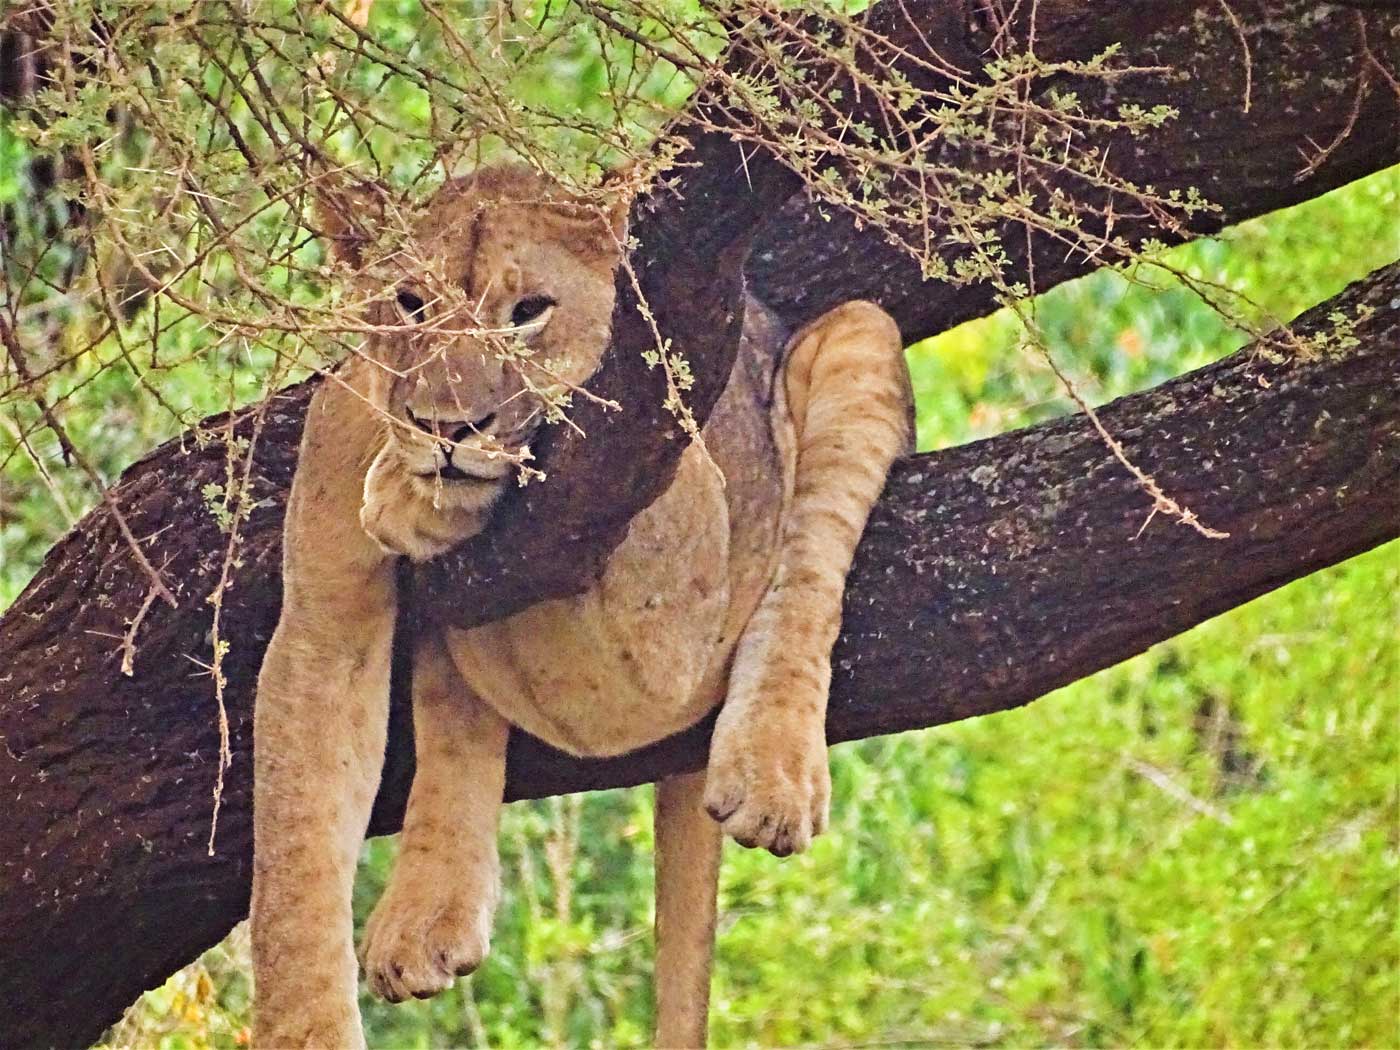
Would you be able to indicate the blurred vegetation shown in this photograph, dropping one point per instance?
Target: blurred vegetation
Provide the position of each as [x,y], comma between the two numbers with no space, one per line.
[1195,848]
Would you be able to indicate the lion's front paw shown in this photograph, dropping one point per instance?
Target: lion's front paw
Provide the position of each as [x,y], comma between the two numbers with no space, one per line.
[409,516]
[768,784]
[397,531]
[424,934]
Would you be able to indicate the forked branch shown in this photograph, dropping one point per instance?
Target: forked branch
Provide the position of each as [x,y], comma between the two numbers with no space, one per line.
[989,574]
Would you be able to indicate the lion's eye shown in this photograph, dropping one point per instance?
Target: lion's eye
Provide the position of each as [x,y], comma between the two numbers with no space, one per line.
[410,304]
[531,308]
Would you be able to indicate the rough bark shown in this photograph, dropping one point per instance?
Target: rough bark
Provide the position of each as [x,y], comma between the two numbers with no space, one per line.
[989,573]
[1314,70]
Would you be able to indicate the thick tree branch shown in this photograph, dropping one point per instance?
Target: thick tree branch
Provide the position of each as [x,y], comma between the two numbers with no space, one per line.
[989,574]
[1252,135]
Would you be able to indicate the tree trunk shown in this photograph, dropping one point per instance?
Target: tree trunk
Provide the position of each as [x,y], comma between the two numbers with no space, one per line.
[989,574]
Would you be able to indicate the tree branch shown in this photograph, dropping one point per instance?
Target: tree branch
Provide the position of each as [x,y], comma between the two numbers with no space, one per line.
[1250,153]
[1015,559]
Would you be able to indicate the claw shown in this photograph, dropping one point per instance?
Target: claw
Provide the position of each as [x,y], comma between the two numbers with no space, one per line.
[772,797]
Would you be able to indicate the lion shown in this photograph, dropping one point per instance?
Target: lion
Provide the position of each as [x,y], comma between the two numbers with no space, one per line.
[726,592]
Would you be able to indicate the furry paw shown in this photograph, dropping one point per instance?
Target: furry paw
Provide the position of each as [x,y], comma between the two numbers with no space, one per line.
[424,934]
[768,785]
[413,516]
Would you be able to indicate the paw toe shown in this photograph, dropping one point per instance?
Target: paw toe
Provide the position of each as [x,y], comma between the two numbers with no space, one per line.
[410,959]
[778,806]
[721,800]
[781,827]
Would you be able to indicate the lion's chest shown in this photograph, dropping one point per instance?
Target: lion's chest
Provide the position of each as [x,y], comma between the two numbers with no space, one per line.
[646,652]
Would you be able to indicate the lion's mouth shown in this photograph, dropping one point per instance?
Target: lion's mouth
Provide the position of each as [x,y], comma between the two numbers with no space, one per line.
[452,472]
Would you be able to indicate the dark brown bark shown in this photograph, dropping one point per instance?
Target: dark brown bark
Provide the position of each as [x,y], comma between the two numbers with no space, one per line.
[989,574]
[1314,70]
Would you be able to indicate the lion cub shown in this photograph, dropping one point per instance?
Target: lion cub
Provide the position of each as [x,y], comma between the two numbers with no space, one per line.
[727,591]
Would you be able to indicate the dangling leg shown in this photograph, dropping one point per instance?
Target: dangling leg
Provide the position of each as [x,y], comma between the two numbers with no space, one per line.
[433,923]
[687,880]
[848,392]
[318,744]
[318,751]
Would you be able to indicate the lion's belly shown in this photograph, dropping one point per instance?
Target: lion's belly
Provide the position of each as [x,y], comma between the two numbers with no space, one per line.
[646,652]
[637,657]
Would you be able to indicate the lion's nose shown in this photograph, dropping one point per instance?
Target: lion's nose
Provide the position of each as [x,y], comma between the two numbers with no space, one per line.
[454,430]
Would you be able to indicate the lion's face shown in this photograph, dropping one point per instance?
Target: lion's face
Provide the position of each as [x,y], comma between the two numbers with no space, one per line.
[505,299]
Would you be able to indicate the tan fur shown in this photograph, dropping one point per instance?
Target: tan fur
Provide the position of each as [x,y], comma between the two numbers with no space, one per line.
[687,874]
[726,591]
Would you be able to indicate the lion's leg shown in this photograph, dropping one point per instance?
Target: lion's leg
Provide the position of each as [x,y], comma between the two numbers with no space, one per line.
[434,921]
[318,742]
[687,877]
[848,391]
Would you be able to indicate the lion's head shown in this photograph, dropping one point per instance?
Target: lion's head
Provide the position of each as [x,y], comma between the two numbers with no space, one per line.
[498,302]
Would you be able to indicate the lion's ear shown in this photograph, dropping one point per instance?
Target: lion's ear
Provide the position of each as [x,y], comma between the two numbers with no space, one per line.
[346,217]
[595,223]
